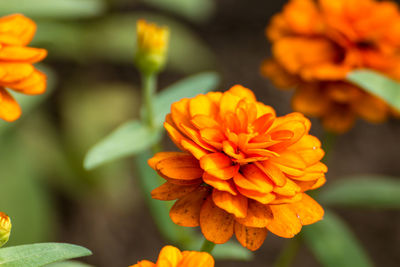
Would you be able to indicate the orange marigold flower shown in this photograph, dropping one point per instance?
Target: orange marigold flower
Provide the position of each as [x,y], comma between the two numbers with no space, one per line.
[243,170]
[16,59]
[173,257]
[316,43]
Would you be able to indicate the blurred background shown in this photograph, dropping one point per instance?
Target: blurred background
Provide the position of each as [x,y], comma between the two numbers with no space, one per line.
[94,87]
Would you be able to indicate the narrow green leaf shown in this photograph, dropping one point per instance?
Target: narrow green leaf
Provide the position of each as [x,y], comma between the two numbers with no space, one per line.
[69,264]
[40,254]
[366,191]
[128,139]
[54,8]
[333,244]
[189,87]
[377,84]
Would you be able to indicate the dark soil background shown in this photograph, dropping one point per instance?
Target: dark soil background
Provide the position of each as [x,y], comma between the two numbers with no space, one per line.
[119,237]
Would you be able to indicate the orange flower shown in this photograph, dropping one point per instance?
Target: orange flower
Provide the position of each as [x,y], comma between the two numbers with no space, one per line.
[243,170]
[315,44]
[173,257]
[16,59]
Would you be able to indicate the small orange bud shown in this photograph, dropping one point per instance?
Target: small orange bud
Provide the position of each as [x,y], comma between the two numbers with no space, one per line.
[5,228]
[152,46]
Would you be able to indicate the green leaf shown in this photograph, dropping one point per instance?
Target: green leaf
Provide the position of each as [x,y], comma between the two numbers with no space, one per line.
[377,84]
[69,264]
[53,8]
[333,244]
[40,254]
[128,139]
[194,10]
[367,191]
[189,87]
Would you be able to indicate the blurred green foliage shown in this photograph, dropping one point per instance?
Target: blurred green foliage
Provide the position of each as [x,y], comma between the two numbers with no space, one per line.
[377,84]
[363,191]
[333,243]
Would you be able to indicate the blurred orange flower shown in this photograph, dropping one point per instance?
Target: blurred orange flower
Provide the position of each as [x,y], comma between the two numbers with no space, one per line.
[315,43]
[243,170]
[173,257]
[16,59]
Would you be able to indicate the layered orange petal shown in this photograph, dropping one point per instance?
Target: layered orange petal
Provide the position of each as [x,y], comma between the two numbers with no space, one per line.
[196,259]
[16,69]
[172,257]
[285,222]
[186,210]
[9,108]
[215,223]
[250,237]
[315,44]
[242,169]
[171,191]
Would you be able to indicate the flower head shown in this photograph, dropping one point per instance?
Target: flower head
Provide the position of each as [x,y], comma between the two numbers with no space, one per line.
[173,257]
[5,228]
[152,42]
[316,43]
[243,170]
[16,59]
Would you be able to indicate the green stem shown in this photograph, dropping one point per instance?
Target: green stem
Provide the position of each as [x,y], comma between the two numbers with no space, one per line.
[149,82]
[287,256]
[207,246]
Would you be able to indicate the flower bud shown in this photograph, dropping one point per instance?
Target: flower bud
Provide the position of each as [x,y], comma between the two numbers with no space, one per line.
[5,228]
[152,47]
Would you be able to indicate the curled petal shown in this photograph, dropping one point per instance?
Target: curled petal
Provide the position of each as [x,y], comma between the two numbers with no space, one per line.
[171,191]
[201,105]
[263,198]
[219,165]
[15,72]
[307,210]
[216,224]
[252,178]
[250,237]
[258,215]
[289,189]
[222,185]
[32,85]
[9,108]
[181,167]
[170,256]
[16,30]
[196,259]
[22,54]
[236,205]
[186,210]
[285,222]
